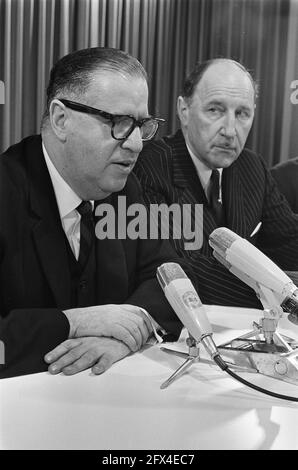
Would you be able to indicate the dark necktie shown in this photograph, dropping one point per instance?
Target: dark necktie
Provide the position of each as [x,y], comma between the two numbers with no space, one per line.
[87,232]
[215,203]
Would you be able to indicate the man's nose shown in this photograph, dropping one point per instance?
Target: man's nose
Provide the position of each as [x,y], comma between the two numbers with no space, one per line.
[134,141]
[229,125]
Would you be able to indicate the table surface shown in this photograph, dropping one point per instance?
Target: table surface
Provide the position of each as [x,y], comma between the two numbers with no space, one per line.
[125,408]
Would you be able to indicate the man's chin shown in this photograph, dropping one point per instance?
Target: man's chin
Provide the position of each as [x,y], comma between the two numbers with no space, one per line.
[102,195]
[224,159]
[115,187]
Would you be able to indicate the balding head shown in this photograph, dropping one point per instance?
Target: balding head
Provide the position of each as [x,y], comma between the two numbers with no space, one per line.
[201,68]
[217,112]
[225,76]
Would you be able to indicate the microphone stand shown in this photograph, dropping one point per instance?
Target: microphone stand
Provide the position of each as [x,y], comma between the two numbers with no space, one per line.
[262,350]
[276,355]
[192,356]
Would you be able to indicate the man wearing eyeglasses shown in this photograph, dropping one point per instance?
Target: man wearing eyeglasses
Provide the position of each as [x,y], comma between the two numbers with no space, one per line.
[69,300]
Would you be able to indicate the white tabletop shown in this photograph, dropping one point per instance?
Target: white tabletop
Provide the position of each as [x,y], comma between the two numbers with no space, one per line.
[125,408]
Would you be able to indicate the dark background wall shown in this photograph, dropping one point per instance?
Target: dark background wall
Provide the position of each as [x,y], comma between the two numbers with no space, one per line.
[168,37]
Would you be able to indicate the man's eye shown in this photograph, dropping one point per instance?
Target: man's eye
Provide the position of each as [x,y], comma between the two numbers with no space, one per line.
[214,110]
[243,114]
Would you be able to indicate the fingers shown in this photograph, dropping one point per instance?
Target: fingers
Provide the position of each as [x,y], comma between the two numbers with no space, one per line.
[75,355]
[140,331]
[84,362]
[130,334]
[66,355]
[134,328]
[60,350]
[145,330]
[109,321]
[108,358]
[102,365]
[141,320]
[124,323]
[134,333]
[125,332]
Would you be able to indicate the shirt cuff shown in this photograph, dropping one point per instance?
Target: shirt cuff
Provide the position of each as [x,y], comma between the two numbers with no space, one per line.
[157,330]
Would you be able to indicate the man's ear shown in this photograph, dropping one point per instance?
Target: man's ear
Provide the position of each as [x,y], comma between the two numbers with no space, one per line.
[58,118]
[182,110]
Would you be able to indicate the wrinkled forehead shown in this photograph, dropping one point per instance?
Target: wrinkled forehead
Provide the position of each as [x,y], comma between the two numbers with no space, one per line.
[104,80]
[224,81]
[118,93]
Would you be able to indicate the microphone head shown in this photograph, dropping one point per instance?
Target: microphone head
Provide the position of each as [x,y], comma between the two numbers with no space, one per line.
[184,299]
[169,272]
[254,268]
[222,238]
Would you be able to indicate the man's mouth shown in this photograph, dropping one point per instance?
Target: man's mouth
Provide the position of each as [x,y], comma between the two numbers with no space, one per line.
[229,148]
[126,162]
[126,165]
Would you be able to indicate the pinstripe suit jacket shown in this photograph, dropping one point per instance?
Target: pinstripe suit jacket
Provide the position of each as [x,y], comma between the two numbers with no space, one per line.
[286,177]
[250,196]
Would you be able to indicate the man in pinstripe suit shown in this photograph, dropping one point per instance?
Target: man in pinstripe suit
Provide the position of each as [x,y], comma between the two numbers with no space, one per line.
[207,158]
[286,177]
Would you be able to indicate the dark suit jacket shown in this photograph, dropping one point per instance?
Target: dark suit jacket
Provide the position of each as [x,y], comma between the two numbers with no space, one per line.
[250,196]
[34,273]
[286,177]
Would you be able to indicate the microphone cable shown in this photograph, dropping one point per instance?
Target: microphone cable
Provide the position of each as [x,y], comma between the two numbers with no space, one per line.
[223,366]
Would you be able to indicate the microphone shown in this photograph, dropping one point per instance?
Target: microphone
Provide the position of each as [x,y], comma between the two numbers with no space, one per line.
[186,303]
[253,267]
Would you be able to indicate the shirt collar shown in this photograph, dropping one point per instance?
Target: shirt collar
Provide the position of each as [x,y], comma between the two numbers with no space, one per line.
[203,171]
[67,199]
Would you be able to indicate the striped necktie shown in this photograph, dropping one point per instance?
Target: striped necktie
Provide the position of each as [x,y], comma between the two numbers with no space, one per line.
[214,199]
[87,232]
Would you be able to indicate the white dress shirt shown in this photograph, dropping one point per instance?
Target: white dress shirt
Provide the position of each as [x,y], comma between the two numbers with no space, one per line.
[68,201]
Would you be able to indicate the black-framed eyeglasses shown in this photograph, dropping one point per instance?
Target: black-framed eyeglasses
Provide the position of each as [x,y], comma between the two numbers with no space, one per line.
[122,125]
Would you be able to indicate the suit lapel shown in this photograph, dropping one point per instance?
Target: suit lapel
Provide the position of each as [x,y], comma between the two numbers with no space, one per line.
[188,184]
[47,230]
[233,200]
[184,172]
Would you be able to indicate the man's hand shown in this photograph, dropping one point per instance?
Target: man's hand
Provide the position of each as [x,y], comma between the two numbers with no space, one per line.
[125,323]
[74,355]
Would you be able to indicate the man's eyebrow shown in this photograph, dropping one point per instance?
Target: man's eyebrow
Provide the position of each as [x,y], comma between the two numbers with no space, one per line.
[245,107]
[214,102]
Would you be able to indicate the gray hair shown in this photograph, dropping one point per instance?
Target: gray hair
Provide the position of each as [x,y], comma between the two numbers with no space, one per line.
[72,74]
